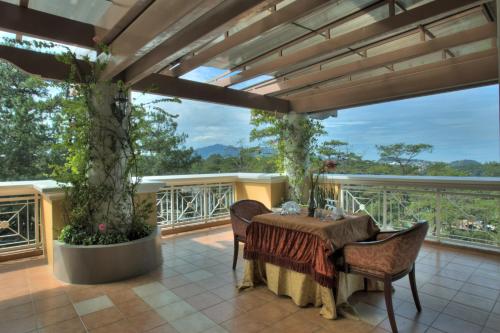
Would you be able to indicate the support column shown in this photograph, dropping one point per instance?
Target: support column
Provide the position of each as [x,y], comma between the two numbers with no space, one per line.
[498,55]
[296,159]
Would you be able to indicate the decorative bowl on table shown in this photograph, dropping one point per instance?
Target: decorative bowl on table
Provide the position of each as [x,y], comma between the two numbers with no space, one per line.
[290,208]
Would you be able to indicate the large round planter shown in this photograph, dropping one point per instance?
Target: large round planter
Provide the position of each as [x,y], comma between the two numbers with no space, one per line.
[106,263]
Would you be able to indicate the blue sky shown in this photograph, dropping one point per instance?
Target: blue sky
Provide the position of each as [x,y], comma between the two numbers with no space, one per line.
[460,125]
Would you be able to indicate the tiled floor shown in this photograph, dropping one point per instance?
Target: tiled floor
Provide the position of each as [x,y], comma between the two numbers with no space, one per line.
[194,291]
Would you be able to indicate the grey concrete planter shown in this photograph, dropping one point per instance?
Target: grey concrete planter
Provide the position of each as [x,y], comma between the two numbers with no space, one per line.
[106,263]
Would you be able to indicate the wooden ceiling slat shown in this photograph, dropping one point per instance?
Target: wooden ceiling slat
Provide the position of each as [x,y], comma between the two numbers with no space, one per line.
[454,73]
[430,46]
[25,21]
[412,17]
[200,31]
[289,13]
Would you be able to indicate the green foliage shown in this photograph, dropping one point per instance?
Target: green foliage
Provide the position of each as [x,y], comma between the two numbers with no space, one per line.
[402,154]
[26,107]
[161,148]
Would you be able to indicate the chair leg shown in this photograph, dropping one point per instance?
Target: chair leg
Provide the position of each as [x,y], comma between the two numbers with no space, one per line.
[388,303]
[414,291]
[236,250]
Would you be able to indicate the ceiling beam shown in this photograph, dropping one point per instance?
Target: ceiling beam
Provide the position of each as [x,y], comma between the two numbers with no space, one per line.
[36,63]
[196,34]
[25,21]
[283,16]
[451,74]
[406,53]
[419,15]
[48,67]
[171,86]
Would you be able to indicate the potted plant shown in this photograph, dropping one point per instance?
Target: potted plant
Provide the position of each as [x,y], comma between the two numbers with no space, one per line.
[107,236]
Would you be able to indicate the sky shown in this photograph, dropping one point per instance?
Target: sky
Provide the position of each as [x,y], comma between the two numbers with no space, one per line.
[460,125]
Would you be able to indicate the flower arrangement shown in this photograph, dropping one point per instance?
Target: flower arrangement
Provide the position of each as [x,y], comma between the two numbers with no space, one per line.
[314,175]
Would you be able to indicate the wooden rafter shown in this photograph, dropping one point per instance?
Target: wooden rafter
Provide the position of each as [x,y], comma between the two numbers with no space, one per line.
[48,67]
[454,73]
[24,21]
[198,33]
[170,86]
[363,50]
[323,30]
[415,16]
[289,13]
[406,53]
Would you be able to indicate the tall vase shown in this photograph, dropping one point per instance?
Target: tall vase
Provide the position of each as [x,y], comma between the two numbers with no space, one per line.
[312,204]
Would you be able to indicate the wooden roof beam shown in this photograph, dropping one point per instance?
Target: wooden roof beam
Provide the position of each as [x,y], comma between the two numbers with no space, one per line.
[406,53]
[283,16]
[47,66]
[451,74]
[415,16]
[196,34]
[171,86]
[24,21]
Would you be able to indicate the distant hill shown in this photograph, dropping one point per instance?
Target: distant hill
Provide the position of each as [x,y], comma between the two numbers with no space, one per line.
[227,151]
[474,168]
[223,150]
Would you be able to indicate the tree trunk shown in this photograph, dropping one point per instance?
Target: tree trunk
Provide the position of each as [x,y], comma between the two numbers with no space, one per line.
[110,154]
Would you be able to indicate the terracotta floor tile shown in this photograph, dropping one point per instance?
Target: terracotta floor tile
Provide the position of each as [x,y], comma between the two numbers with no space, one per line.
[22,325]
[438,291]
[188,290]
[226,292]
[204,300]
[405,325]
[146,321]
[370,314]
[450,324]
[121,296]
[133,307]
[74,325]
[223,312]
[50,303]
[56,315]
[17,312]
[102,318]
[122,326]
[467,313]
[475,301]
[84,294]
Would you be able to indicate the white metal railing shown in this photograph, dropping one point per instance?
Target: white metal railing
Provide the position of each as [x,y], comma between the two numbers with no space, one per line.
[188,204]
[458,209]
[19,222]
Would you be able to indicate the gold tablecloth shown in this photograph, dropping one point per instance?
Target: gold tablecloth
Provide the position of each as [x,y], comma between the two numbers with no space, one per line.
[302,288]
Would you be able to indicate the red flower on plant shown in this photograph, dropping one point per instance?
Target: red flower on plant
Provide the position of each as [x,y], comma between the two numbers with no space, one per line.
[102,227]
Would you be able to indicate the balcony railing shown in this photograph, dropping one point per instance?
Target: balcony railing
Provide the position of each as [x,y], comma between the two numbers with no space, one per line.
[459,210]
[19,222]
[187,204]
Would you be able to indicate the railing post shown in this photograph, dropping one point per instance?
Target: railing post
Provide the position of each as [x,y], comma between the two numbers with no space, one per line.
[384,210]
[172,203]
[438,215]
[206,203]
[341,199]
[37,221]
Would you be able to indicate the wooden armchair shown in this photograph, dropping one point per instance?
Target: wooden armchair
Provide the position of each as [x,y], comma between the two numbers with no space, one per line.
[241,213]
[390,257]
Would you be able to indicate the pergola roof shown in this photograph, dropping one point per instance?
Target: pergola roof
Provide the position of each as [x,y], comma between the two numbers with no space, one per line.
[297,55]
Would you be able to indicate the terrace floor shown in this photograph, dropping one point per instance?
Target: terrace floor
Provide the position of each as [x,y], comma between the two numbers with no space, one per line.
[194,291]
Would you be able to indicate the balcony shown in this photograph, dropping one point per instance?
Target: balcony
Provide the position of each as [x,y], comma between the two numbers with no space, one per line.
[459,284]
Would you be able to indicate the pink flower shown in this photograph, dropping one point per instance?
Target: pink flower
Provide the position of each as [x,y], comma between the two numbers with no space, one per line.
[102,227]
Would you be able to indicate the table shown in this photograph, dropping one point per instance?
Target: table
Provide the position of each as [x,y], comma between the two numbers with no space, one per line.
[293,255]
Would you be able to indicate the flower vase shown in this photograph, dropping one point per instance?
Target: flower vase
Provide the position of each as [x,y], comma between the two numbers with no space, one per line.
[312,204]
